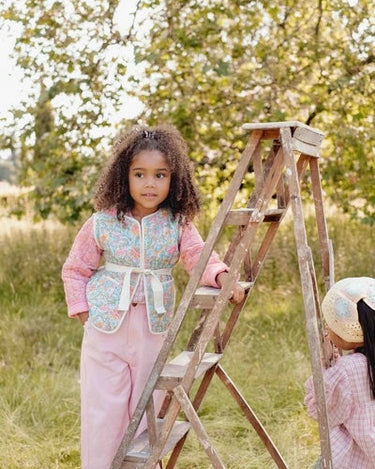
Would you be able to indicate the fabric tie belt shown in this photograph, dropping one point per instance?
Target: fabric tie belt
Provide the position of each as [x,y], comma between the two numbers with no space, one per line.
[156,285]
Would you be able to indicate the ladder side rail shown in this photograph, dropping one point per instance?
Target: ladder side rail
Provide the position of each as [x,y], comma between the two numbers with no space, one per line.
[272,230]
[252,200]
[325,242]
[218,343]
[197,330]
[251,417]
[232,321]
[151,422]
[221,301]
[199,429]
[258,169]
[241,249]
[323,350]
[198,398]
[188,379]
[326,248]
[248,265]
[187,297]
[254,269]
[304,253]
[202,388]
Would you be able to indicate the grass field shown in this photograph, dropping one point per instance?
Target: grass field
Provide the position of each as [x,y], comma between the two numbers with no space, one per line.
[267,356]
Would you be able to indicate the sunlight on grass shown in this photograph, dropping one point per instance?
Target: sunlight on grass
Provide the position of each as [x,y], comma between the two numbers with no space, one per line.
[267,356]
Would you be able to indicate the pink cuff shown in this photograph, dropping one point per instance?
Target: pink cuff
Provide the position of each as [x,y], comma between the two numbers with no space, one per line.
[77,308]
[211,273]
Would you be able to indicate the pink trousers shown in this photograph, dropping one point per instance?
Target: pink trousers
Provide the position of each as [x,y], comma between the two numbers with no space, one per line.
[114,370]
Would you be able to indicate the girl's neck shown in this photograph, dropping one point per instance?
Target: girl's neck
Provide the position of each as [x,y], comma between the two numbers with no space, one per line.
[139,215]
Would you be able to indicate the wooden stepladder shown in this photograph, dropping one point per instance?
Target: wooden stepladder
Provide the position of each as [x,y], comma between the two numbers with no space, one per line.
[277,156]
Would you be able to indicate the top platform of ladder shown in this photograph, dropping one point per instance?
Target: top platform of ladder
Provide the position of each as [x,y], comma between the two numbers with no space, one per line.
[305,139]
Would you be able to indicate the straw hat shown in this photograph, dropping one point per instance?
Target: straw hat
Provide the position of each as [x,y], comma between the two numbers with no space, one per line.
[340,306]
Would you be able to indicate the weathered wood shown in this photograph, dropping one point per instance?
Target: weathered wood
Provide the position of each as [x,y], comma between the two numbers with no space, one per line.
[139,450]
[201,433]
[205,297]
[241,216]
[307,135]
[276,175]
[191,287]
[305,261]
[196,404]
[175,370]
[252,418]
[305,139]
[225,293]
[326,249]
[305,148]
[258,170]
[280,125]
[151,421]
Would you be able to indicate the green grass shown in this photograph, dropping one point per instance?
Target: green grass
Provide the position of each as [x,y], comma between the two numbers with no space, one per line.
[267,356]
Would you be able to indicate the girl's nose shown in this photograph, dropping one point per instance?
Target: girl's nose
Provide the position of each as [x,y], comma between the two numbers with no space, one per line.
[150,182]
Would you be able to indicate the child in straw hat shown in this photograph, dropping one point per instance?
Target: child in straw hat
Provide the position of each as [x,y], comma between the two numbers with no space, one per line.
[349,311]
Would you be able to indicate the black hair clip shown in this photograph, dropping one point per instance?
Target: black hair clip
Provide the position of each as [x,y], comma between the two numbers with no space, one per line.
[151,134]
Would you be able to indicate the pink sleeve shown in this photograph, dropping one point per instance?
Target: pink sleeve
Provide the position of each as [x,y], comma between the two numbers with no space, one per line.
[339,399]
[82,262]
[191,246]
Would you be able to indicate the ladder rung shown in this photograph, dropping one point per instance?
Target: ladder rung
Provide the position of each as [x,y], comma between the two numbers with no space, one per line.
[175,370]
[241,216]
[139,450]
[205,296]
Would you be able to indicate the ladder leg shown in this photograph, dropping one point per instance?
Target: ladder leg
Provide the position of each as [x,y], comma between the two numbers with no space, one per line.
[305,261]
[196,404]
[325,242]
[191,414]
[252,418]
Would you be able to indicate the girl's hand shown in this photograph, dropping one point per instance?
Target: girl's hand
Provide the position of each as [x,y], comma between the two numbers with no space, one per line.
[331,352]
[238,293]
[83,317]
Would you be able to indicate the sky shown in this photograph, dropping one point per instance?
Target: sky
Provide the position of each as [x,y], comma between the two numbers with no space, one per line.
[10,77]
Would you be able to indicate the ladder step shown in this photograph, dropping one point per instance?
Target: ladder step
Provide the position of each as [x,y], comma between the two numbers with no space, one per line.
[139,450]
[205,296]
[175,370]
[241,216]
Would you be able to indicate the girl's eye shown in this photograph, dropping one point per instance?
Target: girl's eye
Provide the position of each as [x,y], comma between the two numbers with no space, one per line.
[160,175]
[138,175]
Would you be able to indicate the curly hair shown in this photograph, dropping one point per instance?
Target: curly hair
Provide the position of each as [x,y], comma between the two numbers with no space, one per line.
[112,189]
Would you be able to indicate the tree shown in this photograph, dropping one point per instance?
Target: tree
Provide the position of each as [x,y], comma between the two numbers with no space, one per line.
[74,61]
[207,67]
[213,65]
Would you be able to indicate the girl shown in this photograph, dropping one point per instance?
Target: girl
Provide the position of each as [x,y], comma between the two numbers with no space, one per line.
[349,311]
[145,202]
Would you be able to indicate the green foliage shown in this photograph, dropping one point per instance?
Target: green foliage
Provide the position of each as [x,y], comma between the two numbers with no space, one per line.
[207,67]
[39,353]
[216,65]
[267,356]
[74,60]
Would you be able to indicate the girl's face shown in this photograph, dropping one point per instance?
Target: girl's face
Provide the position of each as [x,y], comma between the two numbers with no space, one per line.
[149,181]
